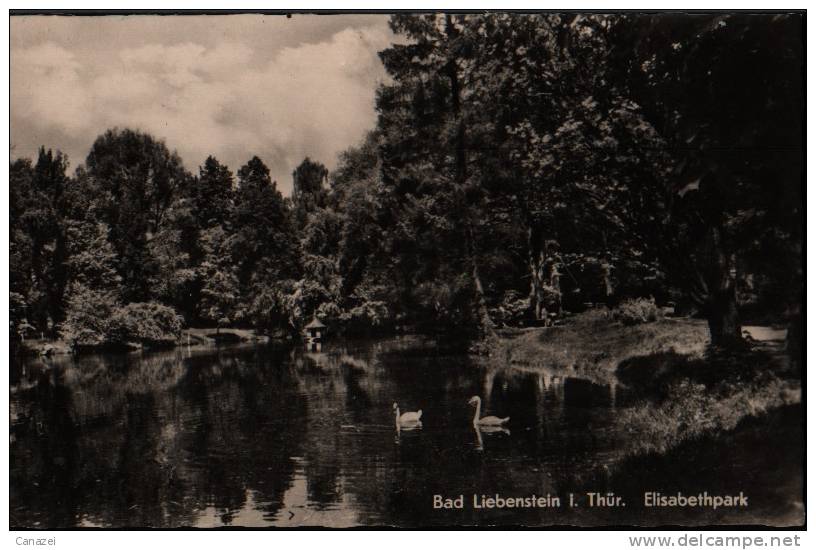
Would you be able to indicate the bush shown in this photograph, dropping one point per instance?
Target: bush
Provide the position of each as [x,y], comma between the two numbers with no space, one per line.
[369,316]
[692,410]
[147,323]
[513,308]
[89,316]
[95,318]
[637,311]
[445,305]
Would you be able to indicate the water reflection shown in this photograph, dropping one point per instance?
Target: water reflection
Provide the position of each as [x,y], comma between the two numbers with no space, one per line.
[254,436]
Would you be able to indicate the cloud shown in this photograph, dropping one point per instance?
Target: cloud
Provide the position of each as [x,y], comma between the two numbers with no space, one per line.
[47,87]
[226,99]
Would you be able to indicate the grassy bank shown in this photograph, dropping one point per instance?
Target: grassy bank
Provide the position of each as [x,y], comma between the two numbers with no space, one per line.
[762,454]
[592,346]
[684,390]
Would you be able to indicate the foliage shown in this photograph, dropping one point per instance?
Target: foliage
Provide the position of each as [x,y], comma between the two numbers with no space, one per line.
[308,190]
[89,319]
[737,147]
[37,238]
[691,410]
[212,194]
[92,259]
[637,310]
[521,165]
[220,292]
[513,309]
[137,181]
[146,323]
[261,228]
[96,318]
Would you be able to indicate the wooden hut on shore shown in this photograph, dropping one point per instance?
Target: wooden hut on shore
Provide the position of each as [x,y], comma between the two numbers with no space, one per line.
[313,334]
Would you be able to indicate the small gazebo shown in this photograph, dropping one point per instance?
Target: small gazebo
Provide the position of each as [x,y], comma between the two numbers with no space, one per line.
[314,330]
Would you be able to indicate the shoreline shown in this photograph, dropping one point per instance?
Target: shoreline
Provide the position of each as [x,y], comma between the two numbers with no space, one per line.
[192,337]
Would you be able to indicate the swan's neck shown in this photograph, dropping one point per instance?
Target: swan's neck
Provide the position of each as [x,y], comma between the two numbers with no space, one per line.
[397,414]
[478,413]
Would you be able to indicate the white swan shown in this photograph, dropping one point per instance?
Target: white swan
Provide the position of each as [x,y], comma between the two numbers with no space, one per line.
[407,420]
[487,421]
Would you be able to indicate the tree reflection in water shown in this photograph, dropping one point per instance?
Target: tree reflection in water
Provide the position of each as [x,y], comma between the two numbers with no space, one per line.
[258,436]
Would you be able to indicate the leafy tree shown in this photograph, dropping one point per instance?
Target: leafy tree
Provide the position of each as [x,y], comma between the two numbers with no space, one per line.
[308,190]
[91,257]
[220,292]
[264,245]
[434,195]
[89,316]
[726,93]
[20,243]
[566,158]
[212,194]
[138,181]
[38,238]
[356,195]
[368,297]
[261,223]
[146,323]
[174,252]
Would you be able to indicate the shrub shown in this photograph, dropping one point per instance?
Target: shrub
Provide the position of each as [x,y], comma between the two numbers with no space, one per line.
[369,316]
[89,316]
[513,308]
[692,410]
[146,323]
[636,311]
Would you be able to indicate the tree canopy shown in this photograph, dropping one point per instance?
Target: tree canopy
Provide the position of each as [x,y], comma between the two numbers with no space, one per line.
[521,165]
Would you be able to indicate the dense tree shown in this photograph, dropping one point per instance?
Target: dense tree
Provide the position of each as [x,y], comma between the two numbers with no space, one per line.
[37,240]
[725,92]
[434,195]
[220,298]
[309,191]
[91,257]
[520,164]
[212,194]
[356,193]
[264,241]
[138,180]
[565,152]
[175,252]
[89,316]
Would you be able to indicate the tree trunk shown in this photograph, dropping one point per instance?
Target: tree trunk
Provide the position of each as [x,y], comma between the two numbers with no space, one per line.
[460,175]
[723,319]
[536,262]
[723,316]
[555,284]
[485,322]
[609,288]
[537,287]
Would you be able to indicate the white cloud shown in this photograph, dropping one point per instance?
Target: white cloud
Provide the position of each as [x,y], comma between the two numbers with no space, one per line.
[227,100]
[47,87]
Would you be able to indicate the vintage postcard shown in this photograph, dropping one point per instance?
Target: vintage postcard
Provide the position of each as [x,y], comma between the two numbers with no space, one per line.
[410,270]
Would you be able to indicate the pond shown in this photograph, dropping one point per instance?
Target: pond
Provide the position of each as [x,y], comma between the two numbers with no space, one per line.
[261,436]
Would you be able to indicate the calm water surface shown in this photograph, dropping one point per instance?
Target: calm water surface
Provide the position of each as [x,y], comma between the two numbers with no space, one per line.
[258,436]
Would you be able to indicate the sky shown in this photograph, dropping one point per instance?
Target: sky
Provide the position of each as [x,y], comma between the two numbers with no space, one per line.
[232,86]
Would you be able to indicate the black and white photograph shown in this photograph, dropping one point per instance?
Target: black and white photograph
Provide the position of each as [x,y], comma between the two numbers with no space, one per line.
[407,270]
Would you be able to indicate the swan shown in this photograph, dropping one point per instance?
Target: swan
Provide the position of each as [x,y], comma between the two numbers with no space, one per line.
[487,421]
[408,419]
